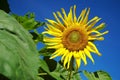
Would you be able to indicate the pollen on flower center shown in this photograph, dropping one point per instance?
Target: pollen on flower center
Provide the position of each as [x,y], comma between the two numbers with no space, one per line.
[75,38]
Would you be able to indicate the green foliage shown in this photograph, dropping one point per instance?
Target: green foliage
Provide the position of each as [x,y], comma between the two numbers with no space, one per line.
[55,71]
[98,75]
[19,58]
[46,67]
[45,51]
[37,37]
[28,21]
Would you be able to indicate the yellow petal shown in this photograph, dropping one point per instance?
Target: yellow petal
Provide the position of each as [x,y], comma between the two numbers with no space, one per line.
[60,50]
[92,22]
[57,19]
[75,19]
[52,43]
[93,31]
[100,38]
[55,40]
[83,57]
[81,17]
[51,21]
[102,33]
[65,53]
[99,26]
[94,48]
[76,55]
[57,53]
[52,33]
[64,13]
[55,24]
[60,15]
[52,28]
[90,49]
[55,46]
[96,18]
[69,60]
[86,16]
[88,54]
[95,38]
[70,16]
[66,60]
[78,62]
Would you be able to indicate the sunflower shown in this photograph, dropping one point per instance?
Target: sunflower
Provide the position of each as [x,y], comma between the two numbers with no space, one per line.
[73,37]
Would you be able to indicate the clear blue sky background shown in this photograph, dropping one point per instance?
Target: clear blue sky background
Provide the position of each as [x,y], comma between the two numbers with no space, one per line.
[108,10]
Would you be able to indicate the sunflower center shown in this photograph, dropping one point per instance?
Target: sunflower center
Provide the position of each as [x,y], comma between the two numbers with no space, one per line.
[75,38]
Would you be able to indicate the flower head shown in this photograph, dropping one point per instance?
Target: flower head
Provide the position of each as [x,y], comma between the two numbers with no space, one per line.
[73,37]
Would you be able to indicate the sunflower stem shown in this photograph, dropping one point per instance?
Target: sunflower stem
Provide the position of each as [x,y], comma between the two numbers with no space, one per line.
[70,74]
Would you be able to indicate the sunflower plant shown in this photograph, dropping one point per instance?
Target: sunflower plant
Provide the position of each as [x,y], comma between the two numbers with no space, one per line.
[69,37]
[73,37]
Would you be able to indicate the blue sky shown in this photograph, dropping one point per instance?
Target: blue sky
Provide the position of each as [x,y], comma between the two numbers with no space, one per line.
[108,10]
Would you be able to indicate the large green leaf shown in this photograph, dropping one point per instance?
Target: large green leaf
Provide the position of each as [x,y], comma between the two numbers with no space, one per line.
[19,58]
[98,75]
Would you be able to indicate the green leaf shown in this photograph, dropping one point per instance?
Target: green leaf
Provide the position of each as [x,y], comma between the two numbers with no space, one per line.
[40,78]
[52,64]
[44,66]
[46,52]
[63,73]
[76,76]
[47,70]
[51,71]
[2,77]
[28,21]
[19,59]
[37,37]
[55,75]
[98,75]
